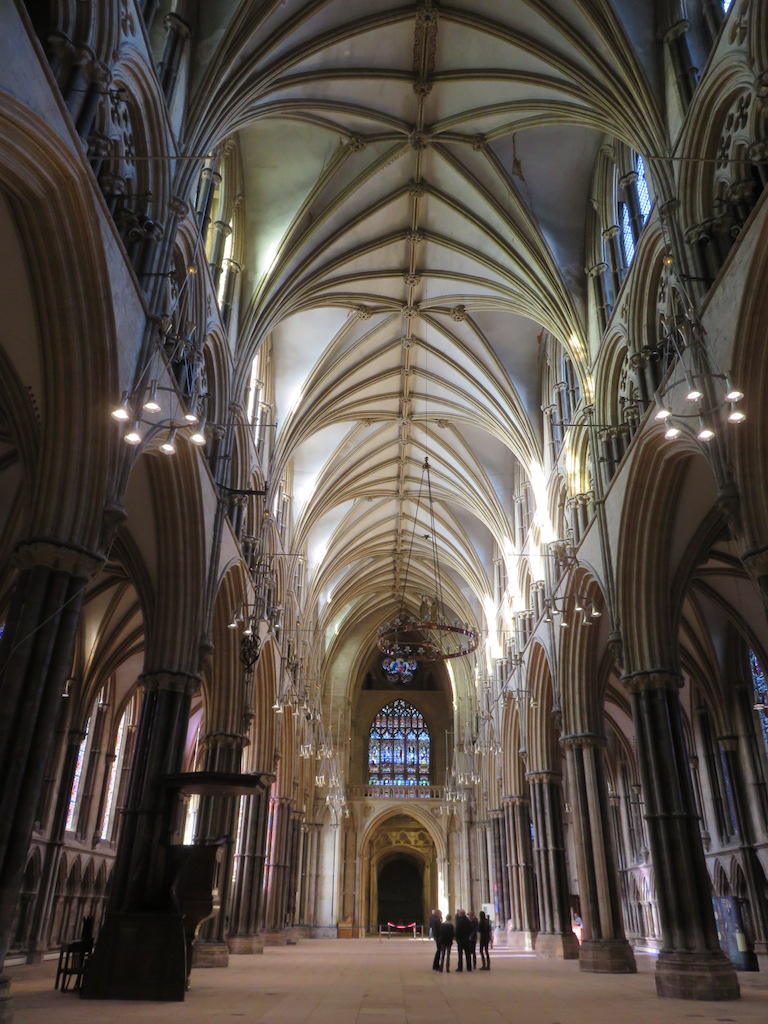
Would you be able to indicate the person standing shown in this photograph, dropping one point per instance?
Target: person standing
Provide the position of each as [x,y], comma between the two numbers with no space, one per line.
[435,920]
[484,932]
[473,939]
[463,931]
[446,941]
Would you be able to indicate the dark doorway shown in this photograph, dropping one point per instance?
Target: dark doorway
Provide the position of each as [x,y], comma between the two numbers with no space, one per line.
[400,892]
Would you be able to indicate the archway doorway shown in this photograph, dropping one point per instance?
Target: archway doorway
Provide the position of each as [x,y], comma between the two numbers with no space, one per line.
[400,877]
[401,897]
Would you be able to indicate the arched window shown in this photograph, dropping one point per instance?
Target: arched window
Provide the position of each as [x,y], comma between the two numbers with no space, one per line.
[643,192]
[75,791]
[398,747]
[627,238]
[761,694]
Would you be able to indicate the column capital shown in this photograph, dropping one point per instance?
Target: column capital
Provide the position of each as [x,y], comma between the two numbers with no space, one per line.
[655,679]
[223,740]
[53,554]
[167,679]
[515,800]
[545,777]
[756,562]
[580,740]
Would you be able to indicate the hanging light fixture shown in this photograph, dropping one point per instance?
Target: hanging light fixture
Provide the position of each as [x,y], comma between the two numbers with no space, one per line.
[430,636]
[152,404]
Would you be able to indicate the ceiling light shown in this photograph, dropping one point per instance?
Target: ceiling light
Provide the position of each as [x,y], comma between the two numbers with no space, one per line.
[563,624]
[169,444]
[152,404]
[732,394]
[671,433]
[122,413]
[199,435]
[706,434]
[736,416]
[663,414]
[694,394]
[191,416]
[133,436]
[596,613]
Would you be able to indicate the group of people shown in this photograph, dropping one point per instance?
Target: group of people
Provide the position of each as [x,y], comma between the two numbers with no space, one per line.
[467,931]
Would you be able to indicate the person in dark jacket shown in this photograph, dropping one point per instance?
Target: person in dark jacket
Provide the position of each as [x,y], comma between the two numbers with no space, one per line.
[446,941]
[463,932]
[484,932]
[473,939]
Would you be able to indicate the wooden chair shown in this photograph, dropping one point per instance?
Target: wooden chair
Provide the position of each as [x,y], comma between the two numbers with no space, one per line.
[73,958]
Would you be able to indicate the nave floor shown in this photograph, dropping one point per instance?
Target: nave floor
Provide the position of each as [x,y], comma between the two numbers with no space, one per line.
[365,981]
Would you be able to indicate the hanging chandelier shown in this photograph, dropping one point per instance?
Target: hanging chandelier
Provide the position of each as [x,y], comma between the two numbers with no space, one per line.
[428,636]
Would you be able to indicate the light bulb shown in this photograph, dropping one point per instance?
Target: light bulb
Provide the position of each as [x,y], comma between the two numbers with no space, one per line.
[152,404]
[563,624]
[199,435]
[736,416]
[596,613]
[671,433]
[706,434]
[232,624]
[191,417]
[732,394]
[169,444]
[122,413]
[133,436]
[663,414]
[694,395]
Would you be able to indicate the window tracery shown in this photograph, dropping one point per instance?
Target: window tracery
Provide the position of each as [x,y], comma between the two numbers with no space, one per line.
[398,747]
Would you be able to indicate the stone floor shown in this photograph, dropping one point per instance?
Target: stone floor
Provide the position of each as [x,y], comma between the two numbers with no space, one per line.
[366,981]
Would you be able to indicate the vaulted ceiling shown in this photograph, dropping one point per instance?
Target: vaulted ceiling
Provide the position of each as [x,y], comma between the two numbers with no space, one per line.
[417,181]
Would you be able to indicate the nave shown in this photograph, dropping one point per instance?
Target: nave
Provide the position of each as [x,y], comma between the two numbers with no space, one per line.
[363,981]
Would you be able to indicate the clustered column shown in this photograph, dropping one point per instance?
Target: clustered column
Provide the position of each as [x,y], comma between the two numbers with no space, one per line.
[278,871]
[691,964]
[523,923]
[556,938]
[604,948]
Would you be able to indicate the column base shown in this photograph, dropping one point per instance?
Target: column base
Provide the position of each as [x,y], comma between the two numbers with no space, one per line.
[709,976]
[606,956]
[210,954]
[242,945]
[329,931]
[275,938]
[557,947]
[523,942]
[6,1002]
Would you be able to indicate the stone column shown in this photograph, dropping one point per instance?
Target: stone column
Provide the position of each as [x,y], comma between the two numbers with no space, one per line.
[501,870]
[523,922]
[604,948]
[311,866]
[217,823]
[141,949]
[691,964]
[178,33]
[277,871]
[555,938]
[244,934]
[36,651]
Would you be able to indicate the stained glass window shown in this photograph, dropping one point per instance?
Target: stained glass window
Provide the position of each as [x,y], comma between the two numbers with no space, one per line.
[76,780]
[626,235]
[761,694]
[643,192]
[110,799]
[398,747]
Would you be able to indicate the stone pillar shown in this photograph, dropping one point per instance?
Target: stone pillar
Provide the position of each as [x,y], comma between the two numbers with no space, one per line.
[141,949]
[277,871]
[36,651]
[244,934]
[555,938]
[750,862]
[221,232]
[524,917]
[311,867]
[501,869]
[177,35]
[691,964]
[604,948]
[217,823]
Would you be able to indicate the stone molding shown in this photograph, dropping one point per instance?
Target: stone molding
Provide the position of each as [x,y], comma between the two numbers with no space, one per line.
[655,679]
[60,557]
